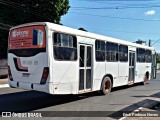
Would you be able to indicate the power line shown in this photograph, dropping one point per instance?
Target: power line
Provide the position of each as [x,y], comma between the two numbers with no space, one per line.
[3,28]
[115,30]
[116,7]
[115,17]
[123,5]
[117,0]
[151,4]
[127,31]
[3,24]
[130,4]
[155,42]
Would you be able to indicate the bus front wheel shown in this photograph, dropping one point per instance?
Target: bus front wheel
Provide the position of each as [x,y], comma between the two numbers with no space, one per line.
[106,86]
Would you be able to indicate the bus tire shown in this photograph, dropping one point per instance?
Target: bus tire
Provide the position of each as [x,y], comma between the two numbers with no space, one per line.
[106,86]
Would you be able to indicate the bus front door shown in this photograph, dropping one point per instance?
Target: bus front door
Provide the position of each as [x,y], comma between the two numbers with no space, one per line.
[131,76]
[154,66]
[85,67]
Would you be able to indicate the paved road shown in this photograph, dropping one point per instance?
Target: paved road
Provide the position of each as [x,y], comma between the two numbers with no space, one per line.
[121,99]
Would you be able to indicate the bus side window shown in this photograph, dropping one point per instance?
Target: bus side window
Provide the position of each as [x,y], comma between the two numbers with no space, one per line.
[123,53]
[65,47]
[141,55]
[148,56]
[57,39]
[111,52]
[100,50]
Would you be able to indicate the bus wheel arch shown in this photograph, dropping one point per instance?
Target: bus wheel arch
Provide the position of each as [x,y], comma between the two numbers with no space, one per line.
[147,75]
[106,85]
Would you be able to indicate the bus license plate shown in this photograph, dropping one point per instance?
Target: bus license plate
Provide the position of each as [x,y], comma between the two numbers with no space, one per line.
[25,74]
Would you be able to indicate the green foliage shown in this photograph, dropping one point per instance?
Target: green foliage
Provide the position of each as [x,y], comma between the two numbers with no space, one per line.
[15,12]
[24,11]
[158,59]
[3,44]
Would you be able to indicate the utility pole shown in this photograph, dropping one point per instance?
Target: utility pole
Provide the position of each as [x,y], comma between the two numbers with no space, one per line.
[149,43]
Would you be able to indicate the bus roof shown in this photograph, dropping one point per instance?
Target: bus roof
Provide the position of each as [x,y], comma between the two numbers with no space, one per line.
[68,30]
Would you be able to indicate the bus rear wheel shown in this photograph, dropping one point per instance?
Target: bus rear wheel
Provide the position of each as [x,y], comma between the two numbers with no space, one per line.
[106,86]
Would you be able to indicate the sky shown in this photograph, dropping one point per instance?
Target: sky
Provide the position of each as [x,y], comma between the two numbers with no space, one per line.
[128,20]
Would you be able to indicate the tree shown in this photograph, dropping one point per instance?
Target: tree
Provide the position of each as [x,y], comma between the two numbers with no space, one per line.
[82,29]
[158,59]
[23,11]
[3,44]
[15,12]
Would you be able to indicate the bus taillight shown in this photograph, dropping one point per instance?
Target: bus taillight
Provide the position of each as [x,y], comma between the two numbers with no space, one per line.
[44,75]
[10,74]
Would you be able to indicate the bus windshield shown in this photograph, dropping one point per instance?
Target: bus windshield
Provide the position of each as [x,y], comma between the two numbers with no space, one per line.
[27,40]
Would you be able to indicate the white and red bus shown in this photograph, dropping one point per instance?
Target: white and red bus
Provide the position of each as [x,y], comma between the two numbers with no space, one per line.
[60,60]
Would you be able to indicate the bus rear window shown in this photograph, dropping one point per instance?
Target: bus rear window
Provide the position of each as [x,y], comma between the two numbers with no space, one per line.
[27,37]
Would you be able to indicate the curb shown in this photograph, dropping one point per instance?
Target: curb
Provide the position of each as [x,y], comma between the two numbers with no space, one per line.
[4,85]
